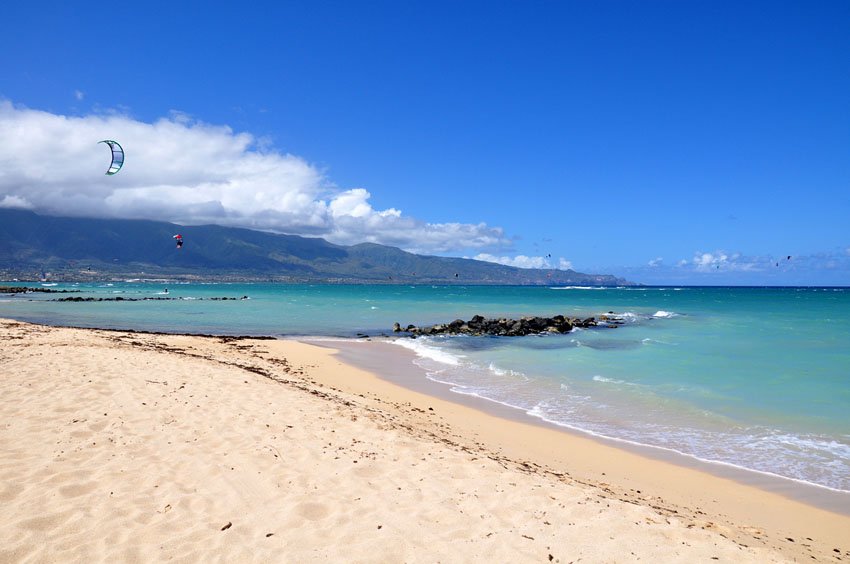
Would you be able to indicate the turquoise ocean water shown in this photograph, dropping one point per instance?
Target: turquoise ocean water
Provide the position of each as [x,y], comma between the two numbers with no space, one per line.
[757,378]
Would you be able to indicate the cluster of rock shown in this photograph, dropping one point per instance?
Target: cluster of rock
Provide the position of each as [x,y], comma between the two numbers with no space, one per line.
[27,290]
[503,327]
[122,299]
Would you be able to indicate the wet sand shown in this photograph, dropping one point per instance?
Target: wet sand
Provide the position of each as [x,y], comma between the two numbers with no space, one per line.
[139,447]
[397,365]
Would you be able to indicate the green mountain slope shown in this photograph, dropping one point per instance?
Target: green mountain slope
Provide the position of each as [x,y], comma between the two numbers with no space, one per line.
[78,248]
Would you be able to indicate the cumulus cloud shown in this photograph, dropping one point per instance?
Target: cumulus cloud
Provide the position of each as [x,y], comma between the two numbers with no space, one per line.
[828,267]
[520,261]
[658,261]
[15,202]
[185,171]
[737,262]
[707,261]
[523,261]
[720,260]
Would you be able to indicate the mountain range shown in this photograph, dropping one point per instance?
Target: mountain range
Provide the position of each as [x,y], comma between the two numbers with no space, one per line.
[35,246]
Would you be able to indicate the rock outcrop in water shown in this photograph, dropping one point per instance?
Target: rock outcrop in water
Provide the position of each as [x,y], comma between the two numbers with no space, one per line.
[27,290]
[145,299]
[504,327]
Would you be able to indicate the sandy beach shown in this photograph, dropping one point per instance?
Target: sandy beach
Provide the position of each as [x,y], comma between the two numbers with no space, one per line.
[136,447]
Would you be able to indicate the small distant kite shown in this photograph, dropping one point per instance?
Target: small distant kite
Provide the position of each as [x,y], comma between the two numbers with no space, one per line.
[117,156]
[179,240]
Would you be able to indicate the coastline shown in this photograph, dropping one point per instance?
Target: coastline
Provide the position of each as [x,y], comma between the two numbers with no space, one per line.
[651,475]
[277,428]
[406,374]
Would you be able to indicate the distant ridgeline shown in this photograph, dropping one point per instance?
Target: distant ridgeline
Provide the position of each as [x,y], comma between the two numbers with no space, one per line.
[37,247]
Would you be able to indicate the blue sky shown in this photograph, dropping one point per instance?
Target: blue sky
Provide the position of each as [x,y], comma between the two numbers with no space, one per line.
[668,142]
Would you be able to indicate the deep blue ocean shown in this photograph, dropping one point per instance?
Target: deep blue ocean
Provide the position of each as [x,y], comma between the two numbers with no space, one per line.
[757,378]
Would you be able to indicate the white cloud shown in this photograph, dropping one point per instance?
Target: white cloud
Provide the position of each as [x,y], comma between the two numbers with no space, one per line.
[828,267]
[658,261]
[721,261]
[15,202]
[523,261]
[709,261]
[520,261]
[181,170]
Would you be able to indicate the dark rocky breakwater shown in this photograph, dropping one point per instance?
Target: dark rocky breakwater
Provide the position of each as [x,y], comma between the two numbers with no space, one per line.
[27,290]
[145,299]
[504,327]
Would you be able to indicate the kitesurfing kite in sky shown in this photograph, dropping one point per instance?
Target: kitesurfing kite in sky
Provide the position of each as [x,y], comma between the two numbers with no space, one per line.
[117,156]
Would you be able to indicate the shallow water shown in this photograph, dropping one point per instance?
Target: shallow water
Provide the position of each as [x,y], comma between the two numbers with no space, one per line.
[757,378]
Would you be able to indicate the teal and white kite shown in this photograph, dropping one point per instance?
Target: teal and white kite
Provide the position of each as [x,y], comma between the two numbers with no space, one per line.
[117,156]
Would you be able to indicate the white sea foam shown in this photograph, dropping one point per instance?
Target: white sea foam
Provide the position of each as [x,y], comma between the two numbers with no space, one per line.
[579,288]
[627,316]
[496,370]
[434,376]
[608,380]
[539,412]
[648,341]
[505,372]
[831,447]
[474,393]
[424,351]
[664,314]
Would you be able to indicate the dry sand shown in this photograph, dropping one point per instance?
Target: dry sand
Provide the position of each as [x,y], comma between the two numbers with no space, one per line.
[131,447]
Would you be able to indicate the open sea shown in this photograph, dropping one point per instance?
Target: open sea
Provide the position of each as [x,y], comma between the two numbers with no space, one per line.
[755,378]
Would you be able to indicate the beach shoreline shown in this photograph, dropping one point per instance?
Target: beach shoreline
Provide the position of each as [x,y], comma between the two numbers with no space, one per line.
[375,356]
[441,478]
